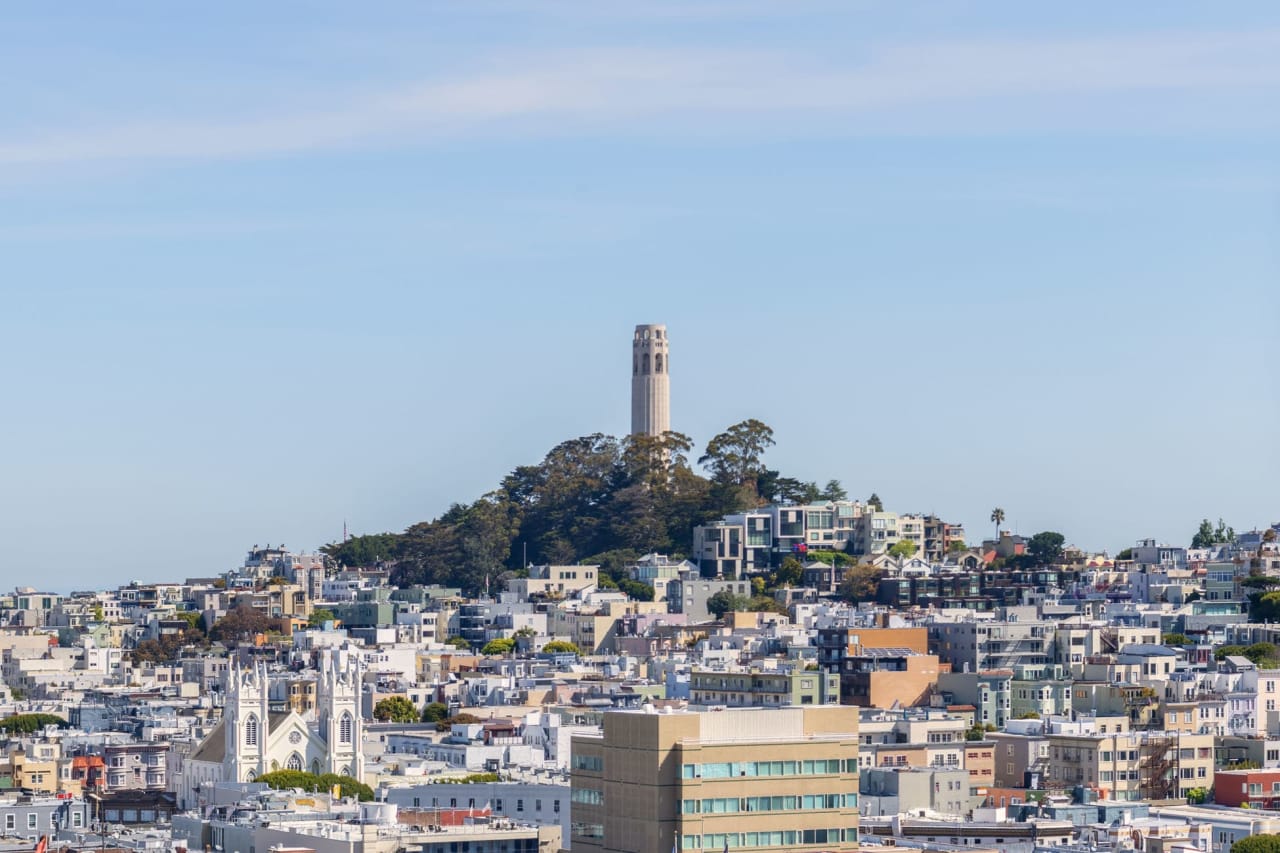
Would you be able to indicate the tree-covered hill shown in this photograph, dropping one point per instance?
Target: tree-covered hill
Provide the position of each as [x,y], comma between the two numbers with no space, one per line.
[592,499]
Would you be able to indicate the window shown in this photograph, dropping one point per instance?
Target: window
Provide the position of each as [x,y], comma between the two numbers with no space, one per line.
[519,805]
[345,726]
[294,762]
[250,731]
[32,820]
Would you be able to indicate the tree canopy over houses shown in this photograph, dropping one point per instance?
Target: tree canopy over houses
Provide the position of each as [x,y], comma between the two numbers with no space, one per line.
[589,498]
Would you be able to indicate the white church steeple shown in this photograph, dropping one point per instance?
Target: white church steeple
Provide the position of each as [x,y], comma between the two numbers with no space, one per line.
[338,706]
[247,723]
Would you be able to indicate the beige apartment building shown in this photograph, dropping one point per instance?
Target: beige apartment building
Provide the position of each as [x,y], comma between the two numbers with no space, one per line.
[766,779]
[554,581]
[917,737]
[1146,765]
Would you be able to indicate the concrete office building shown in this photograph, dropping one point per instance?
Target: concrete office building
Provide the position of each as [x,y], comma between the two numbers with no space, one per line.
[784,779]
[650,381]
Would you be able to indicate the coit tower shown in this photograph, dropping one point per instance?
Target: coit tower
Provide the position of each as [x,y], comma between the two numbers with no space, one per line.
[650,381]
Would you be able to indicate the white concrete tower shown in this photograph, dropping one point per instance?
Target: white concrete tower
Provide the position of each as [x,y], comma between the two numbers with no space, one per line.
[650,381]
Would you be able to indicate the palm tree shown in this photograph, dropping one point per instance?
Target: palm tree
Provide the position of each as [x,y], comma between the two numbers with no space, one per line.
[997,518]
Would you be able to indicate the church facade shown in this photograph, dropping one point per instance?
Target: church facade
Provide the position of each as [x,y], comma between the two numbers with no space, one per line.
[251,740]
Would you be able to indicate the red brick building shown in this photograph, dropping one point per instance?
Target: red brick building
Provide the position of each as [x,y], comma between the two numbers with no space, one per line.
[1258,789]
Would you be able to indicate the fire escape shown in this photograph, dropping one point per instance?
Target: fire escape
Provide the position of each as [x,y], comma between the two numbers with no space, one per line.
[1007,652]
[1039,768]
[1158,778]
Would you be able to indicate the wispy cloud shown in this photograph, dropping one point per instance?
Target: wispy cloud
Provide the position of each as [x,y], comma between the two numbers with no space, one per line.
[112,230]
[996,85]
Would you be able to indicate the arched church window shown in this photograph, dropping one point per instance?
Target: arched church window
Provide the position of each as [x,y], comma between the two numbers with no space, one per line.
[294,762]
[275,765]
[251,730]
[315,766]
[344,728]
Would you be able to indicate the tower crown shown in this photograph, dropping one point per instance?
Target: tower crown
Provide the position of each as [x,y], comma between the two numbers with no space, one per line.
[650,380]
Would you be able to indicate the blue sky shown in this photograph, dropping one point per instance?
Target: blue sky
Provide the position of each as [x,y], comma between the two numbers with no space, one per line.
[267,267]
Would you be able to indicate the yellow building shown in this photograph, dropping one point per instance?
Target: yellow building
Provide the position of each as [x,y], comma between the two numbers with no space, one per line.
[766,779]
[302,695]
[34,774]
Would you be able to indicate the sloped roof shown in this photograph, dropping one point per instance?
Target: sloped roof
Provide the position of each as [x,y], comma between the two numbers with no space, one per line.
[214,747]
